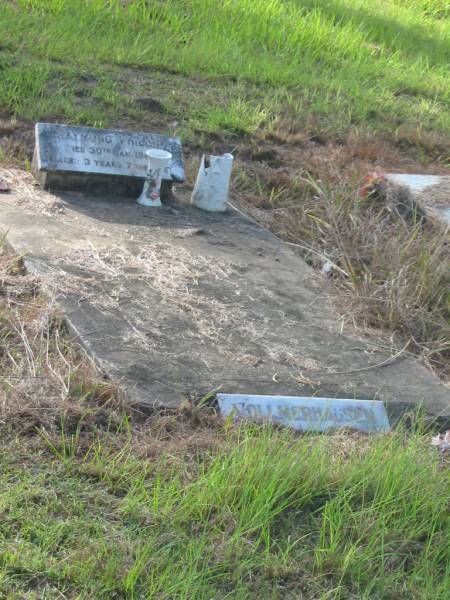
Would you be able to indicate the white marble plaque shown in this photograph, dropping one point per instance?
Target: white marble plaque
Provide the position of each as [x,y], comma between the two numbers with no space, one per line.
[101,151]
[307,414]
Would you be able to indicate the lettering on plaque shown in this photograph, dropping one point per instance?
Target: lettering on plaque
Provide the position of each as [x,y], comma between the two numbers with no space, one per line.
[307,414]
[86,150]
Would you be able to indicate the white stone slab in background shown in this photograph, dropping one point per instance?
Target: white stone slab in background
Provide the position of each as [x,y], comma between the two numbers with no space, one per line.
[416,183]
[307,414]
[430,192]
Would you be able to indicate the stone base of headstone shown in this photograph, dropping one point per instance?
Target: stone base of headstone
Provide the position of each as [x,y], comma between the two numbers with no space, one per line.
[95,184]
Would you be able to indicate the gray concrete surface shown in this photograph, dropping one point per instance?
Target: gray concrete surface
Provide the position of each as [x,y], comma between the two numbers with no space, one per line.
[176,302]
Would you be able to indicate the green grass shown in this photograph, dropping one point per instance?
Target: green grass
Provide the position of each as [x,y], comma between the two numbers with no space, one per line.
[379,65]
[262,515]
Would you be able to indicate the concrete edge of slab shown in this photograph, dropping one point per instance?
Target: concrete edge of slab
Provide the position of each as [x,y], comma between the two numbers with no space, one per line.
[397,413]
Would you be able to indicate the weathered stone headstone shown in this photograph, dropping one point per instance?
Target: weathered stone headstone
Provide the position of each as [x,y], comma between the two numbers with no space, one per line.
[431,193]
[98,161]
[307,414]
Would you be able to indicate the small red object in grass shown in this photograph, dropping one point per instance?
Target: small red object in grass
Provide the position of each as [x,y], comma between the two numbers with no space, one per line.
[371,180]
[4,187]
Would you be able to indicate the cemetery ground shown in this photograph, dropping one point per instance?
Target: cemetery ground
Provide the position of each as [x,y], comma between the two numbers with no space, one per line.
[100,499]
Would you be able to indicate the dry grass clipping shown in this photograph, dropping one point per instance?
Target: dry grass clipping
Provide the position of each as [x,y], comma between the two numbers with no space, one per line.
[174,273]
[45,379]
[28,193]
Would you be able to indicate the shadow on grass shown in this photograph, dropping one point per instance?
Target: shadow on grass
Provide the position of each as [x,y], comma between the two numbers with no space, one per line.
[412,41]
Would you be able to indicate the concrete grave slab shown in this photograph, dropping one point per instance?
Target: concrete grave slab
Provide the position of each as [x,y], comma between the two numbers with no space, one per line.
[98,161]
[430,192]
[176,302]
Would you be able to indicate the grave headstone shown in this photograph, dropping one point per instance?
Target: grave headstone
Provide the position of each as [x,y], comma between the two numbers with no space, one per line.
[307,414]
[98,161]
[430,193]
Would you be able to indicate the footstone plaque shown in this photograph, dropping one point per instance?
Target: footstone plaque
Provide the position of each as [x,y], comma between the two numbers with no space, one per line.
[307,414]
[98,161]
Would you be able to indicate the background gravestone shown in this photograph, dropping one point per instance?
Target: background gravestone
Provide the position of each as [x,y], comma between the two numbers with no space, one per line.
[98,161]
[429,193]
